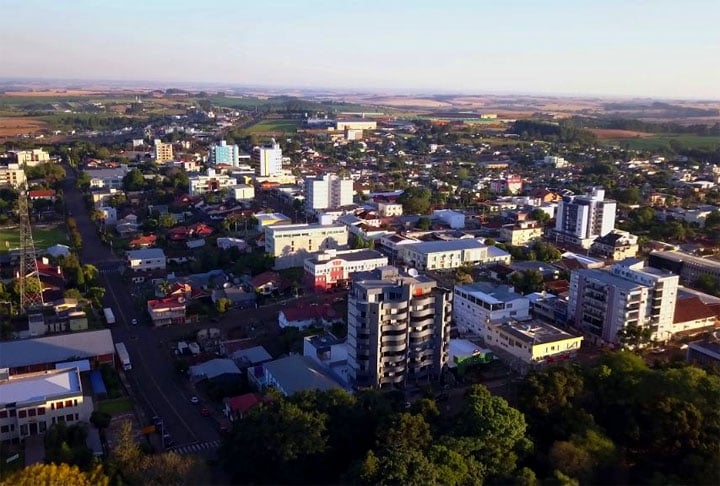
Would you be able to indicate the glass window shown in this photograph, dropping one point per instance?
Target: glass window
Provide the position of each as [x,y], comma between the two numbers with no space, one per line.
[68,403]
[69,417]
[41,410]
[3,414]
[22,414]
[31,412]
[59,405]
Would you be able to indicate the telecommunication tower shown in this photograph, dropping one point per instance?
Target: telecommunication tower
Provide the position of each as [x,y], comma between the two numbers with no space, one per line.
[31,300]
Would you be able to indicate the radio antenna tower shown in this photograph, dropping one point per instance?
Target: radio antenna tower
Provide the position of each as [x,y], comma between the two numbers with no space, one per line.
[29,276]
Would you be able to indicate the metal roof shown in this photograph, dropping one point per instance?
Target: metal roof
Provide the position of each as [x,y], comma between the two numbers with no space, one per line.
[53,349]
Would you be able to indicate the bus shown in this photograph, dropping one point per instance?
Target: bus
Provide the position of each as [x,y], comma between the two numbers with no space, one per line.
[123,355]
[109,316]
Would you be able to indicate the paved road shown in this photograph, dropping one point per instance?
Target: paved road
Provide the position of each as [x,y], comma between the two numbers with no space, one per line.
[154,384]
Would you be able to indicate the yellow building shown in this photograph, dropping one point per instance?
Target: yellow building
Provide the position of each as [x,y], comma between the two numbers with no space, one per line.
[163,151]
[532,342]
[12,175]
[521,233]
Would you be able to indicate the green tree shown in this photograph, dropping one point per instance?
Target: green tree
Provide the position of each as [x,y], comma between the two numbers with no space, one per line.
[134,181]
[56,475]
[223,304]
[415,200]
[424,223]
[540,216]
[634,336]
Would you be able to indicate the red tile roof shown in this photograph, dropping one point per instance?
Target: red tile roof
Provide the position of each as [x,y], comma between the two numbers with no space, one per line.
[244,403]
[41,193]
[692,309]
[144,240]
[169,302]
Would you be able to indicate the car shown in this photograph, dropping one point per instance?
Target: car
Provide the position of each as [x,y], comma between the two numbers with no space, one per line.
[205,412]
[133,321]
[195,400]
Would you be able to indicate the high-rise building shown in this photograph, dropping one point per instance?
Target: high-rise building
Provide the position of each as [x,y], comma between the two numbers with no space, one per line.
[270,158]
[163,151]
[398,329]
[328,192]
[12,175]
[603,302]
[582,219]
[224,154]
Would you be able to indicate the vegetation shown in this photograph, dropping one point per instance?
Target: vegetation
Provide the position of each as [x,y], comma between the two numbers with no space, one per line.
[42,237]
[56,475]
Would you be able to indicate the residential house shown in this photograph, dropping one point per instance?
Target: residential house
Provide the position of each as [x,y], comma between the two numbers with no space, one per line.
[306,316]
[237,407]
[292,375]
[170,310]
[616,245]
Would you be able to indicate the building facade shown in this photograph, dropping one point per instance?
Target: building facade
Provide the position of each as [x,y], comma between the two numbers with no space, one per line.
[439,255]
[335,268]
[163,151]
[146,260]
[32,157]
[211,182]
[521,233]
[171,310]
[291,244]
[582,219]
[532,342]
[270,160]
[32,403]
[476,305]
[223,153]
[688,267]
[13,176]
[328,192]
[398,330]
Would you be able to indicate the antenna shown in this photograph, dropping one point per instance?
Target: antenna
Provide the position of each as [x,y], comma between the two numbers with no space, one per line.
[29,275]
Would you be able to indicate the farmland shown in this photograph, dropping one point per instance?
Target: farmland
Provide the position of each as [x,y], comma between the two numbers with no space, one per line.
[274,126]
[43,237]
[20,125]
[664,141]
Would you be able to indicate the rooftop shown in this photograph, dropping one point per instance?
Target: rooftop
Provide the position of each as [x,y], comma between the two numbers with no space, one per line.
[214,368]
[300,373]
[146,253]
[534,332]
[490,293]
[39,387]
[348,256]
[53,349]
[452,245]
[678,256]
[609,279]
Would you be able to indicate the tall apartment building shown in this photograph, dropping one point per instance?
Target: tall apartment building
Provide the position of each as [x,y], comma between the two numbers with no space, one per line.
[328,192]
[12,175]
[224,154]
[603,302]
[582,219]
[270,159]
[398,330]
[291,244]
[163,151]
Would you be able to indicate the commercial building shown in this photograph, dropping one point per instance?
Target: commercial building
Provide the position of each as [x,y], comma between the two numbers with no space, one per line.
[292,375]
[243,192]
[582,219]
[12,175]
[335,268]
[32,157]
[521,233]
[687,266]
[439,255]
[171,310]
[602,303]
[398,329]
[509,185]
[328,192]
[270,160]
[478,304]
[531,342]
[163,151]
[706,353]
[389,210]
[291,244]
[224,154]
[147,259]
[32,403]
[211,182]
[363,124]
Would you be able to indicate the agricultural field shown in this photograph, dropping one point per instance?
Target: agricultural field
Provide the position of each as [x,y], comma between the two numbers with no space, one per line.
[662,141]
[11,126]
[274,126]
[43,237]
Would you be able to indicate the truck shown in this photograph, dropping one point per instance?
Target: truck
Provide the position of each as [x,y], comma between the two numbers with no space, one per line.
[109,316]
[123,355]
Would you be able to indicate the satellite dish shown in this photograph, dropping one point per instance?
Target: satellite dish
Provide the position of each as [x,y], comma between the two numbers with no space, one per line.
[181,300]
[413,272]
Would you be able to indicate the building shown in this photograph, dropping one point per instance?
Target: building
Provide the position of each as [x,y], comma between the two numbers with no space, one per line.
[39,354]
[531,342]
[478,304]
[398,329]
[705,352]
[439,255]
[292,375]
[521,233]
[333,268]
[616,245]
[582,219]
[454,219]
[224,154]
[244,192]
[329,352]
[270,160]
[307,316]
[270,219]
[510,185]
[390,210]
[147,259]
[13,175]
[604,302]
[328,192]
[31,158]
[687,266]
[342,125]
[291,244]
[32,403]
[107,178]
[216,370]
[171,310]
[163,151]
[211,182]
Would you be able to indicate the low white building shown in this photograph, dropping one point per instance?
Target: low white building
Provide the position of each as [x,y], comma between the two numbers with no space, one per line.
[389,210]
[211,182]
[475,305]
[147,259]
[32,403]
[334,268]
[439,255]
[531,342]
[107,178]
[243,192]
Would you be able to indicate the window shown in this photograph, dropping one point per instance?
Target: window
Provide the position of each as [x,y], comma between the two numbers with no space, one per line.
[22,414]
[24,429]
[4,429]
[12,412]
[43,427]
[3,414]
[31,412]
[41,411]
[59,405]
[69,417]
[68,403]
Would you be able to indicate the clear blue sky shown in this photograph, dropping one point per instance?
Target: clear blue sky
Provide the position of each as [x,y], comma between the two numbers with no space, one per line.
[660,48]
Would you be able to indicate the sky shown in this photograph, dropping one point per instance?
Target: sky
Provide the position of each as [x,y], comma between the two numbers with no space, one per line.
[635,48]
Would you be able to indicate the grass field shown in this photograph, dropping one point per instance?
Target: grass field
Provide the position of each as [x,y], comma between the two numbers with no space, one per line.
[274,126]
[43,237]
[662,141]
[115,407]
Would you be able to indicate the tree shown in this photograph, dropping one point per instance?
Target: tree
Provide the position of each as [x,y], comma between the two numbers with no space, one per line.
[540,216]
[424,223]
[56,475]
[83,181]
[223,304]
[633,336]
[101,420]
[166,220]
[134,181]
[415,200]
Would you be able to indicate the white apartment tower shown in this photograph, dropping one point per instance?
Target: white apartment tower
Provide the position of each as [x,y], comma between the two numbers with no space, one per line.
[328,192]
[398,329]
[582,219]
[630,293]
[270,158]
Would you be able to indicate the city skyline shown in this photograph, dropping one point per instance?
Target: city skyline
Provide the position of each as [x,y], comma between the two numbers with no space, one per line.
[631,49]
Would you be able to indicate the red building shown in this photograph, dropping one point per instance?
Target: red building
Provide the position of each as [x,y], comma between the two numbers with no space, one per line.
[333,268]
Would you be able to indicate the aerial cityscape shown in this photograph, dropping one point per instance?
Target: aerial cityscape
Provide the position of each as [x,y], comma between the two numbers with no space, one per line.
[452,243]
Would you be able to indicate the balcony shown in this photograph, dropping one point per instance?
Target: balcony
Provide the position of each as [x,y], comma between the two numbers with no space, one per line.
[393,348]
[422,312]
[422,334]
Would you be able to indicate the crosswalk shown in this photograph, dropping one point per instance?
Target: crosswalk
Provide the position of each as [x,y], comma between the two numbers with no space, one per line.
[195,448]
